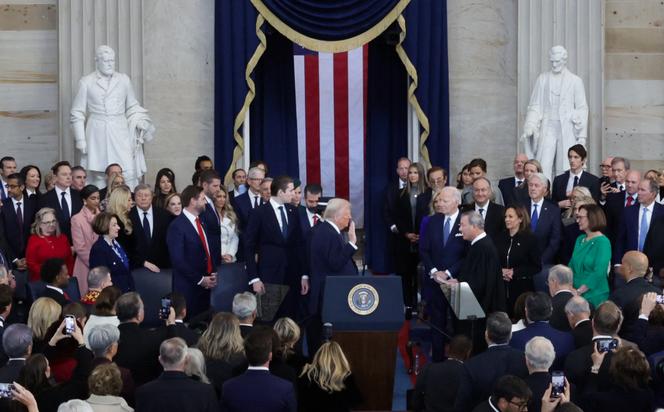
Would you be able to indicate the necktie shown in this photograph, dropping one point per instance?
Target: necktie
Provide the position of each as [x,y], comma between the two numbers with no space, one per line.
[481,210]
[255,202]
[622,188]
[630,201]
[146,226]
[446,230]
[65,206]
[284,222]
[576,181]
[518,183]
[643,229]
[19,216]
[201,235]
[534,218]
[3,191]
[315,219]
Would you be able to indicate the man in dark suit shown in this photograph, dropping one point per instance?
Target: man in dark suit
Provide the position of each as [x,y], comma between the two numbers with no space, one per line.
[110,169]
[150,228]
[442,250]
[276,394]
[194,271]
[179,305]
[6,299]
[18,213]
[628,297]
[482,371]
[392,192]
[492,213]
[653,247]
[437,385]
[616,202]
[577,310]
[138,347]
[509,185]
[7,167]
[561,288]
[174,390]
[575,176]
[329,255]
[211,183]
[62,198]
[615,182]
[540,354]
[55,275]
[239,183]
[649,337]
[437,179]
[244,307]
[538,312]
[273,245]
[510,394]
[250,199]
[309,214]
[17,345]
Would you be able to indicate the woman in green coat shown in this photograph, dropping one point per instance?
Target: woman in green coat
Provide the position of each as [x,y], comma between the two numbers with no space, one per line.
[591,256]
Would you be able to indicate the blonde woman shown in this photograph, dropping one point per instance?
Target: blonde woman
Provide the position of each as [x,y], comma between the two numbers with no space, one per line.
[46,242]
[229,231]
[174,204]
[43,312]
[327,384]
[120,203]
[115,180]
[195,367]
[223,349]
[284,353]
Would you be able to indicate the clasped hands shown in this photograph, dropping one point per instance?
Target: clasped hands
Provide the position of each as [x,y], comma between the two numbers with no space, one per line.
[210,281]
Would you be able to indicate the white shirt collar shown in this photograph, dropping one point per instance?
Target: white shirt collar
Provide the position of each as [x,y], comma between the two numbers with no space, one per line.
[572,175]
[334,226]
[579,322]
[453,217]
[484,207]
[539,205]
[596,337]
[563,290]
[491,405]
[258,368]
[478,238]
[59,191]
[141,211]
[192,218]
[56,288]
[16,201]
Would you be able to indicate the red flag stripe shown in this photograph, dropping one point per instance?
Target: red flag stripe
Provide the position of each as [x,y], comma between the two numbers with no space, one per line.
[312,117]
[341,125]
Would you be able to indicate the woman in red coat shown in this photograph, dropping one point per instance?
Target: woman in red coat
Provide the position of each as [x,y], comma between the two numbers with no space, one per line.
[46,242]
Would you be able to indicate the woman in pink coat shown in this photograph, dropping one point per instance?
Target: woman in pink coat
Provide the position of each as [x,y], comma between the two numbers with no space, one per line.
[83,237]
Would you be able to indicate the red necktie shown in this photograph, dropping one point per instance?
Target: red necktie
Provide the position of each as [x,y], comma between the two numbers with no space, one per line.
[315,220]
[201,235]
[630,200]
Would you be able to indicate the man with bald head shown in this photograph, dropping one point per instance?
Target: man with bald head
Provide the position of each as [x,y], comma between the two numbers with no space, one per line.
[492,213]
[509,185]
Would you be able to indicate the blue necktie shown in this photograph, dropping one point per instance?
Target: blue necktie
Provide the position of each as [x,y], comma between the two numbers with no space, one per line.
[146,227]
[284,222]
[65,206]
[643,229]
[534,218]
[446,230]
[3,191]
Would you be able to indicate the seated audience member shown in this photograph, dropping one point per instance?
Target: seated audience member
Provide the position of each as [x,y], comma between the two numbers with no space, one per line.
[648,329]
[519,317]
[278,365]
[228,226]
[327,383]
[56,277]
[510,393]
[64,201]
[289,334]
[179,305]
[477,168]
[438,383]
[509,185]
[108,252]
[103,311]
[628,296]
[112,169]
[561,288]
[173,204]
[483,370]
[43,312]
[629,390]
[577,310]
[78,177]
[570,227]
[238,394]
[575,176]
[539,358]
[83,237]
[98,279]
[223,349]
[244,307]
[138,347]
[149,235]
[164,185]
[560,403]
[195,367]
[105,386]
[31,175]
[492,213]
[173,390]
[103,342]
[46,242]
[606,324]
[17,345]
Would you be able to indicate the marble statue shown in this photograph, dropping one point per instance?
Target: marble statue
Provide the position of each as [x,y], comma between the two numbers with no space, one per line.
[116,126]
[557,115]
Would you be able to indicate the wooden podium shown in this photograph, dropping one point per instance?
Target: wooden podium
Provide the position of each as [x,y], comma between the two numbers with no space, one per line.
[366,314]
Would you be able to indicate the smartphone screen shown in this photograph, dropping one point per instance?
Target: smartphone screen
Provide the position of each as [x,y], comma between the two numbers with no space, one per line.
[70,324]
[165,308]
[557,383]
[660,299]
[6,390]
[606,345]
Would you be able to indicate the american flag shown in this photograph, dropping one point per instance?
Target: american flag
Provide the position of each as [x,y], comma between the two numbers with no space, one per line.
[331,101]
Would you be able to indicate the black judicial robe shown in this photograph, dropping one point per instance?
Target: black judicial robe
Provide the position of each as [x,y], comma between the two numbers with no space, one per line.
[481,269]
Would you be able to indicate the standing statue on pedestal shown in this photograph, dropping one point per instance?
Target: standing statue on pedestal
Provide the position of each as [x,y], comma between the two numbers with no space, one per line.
[116,126]
[557,116]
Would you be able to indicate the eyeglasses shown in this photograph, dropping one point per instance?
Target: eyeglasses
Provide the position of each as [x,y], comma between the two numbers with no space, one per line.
[579,217]
[523,406]
[605,166]
[50,222]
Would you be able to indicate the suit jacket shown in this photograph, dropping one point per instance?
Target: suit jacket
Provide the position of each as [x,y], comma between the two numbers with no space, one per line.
[481,269]
[138,350]
[50,199]
[577,367]
[56,296]
[212,223]
[102,254]
[243,208]
[655,245]
[520,253]
[628,299]
[329,255]
[392,192]
[587,180]
[12,229]
[434,254]
[189,336]
[305,226]
[613,208]
[558,317]
[175,391]
[239,394]
[280,259]
[9,372]
[437,386]
[155,249]
[583,333]
[649,338]
[563,342]
[547,230]
[628,232]
[538,382]
[494,220]
[509,190]
[189,262]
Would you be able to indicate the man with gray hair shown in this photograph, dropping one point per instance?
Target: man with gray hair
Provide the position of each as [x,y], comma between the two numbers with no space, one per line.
[492,213]
[149,235]
[539,358]
[174,390]
[103,340]
[17,344]
[244,307]
[98,279]
[561,289]
[577,311]
[250,199]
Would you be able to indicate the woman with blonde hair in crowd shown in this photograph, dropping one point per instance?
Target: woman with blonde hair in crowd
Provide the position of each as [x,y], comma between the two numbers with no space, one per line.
[114,180]
[120,203]
[43,312]
[195,367]
[327,384]
[46,242]
[105,385]
[173,204]
[229,226]
[289,334]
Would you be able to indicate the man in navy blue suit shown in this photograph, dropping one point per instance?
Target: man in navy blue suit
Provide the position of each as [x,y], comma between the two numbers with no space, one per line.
[616,202]
[211,183]
[18,213]
[575,176]
[273,245]
[308,213]
[329,255]
[239,394]
[442,251]
[251,199]
[194,273]
[509,185]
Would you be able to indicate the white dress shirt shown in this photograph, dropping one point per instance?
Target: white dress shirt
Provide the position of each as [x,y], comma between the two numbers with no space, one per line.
[648,216]
[539,207]
[276,206]
[253,197]
[570,181]
[22,202]
[67,192]
[453,219]
[149,216]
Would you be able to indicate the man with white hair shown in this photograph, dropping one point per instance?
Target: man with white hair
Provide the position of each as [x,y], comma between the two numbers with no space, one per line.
[577,311]
[539,358]
[561,289]
[244,307]
[251,199]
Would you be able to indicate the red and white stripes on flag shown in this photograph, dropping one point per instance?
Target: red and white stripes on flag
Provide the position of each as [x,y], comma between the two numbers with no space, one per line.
[331,101]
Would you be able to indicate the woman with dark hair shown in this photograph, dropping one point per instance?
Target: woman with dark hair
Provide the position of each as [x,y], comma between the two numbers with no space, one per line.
[83,237]
[108,252]
[164,185]
[592,256]
[520,257]
[32,177]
